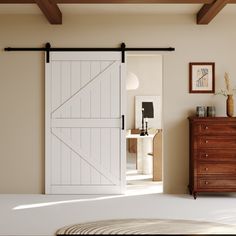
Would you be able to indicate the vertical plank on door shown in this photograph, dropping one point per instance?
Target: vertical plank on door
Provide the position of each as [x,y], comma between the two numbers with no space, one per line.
[66,112]
[75,87]
[56,160]
[85,93]
[75,76]
[85,146]
[105,96]
[115,152]
[56,85]
[85,113]
[55,142]
[65,87]
[85,72]
[105,113]
[105,152]
[115,91]
[95,113]
[95,154]
[95,69]
[115,113]
[75,158]
[75,113]
[96,92]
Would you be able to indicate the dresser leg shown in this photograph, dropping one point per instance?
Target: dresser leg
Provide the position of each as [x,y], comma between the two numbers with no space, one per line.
[190,190]
[195,195]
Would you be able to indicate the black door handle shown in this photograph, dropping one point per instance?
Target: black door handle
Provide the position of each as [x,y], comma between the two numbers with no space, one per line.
[123,122]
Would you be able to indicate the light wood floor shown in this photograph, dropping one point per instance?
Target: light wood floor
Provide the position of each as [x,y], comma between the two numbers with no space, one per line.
[43,215]
[139,182]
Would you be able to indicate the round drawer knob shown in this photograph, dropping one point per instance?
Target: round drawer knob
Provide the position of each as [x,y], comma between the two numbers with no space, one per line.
[206,155]
[206,127]
[206,141]
[206,182]
[206,169]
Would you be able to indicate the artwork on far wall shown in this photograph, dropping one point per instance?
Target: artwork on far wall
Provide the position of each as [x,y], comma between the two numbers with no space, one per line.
[201,77]
[152,110]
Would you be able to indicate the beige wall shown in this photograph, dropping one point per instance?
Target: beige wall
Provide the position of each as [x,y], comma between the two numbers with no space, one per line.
[22,83]
[148,69]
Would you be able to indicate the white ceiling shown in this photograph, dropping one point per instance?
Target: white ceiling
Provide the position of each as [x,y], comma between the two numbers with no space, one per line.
[113,8]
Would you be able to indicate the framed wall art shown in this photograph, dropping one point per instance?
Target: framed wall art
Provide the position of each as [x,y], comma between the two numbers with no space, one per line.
[202,77]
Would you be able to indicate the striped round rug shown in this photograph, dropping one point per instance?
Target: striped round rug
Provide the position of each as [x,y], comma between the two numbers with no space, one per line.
[147,226]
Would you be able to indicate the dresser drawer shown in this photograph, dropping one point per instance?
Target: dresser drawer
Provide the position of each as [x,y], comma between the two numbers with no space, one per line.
[216,155]
[222,184]
[216,168]
[215,128]
[216,141]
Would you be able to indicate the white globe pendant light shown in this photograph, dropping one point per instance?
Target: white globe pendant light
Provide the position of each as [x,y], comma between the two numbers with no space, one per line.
[132,82]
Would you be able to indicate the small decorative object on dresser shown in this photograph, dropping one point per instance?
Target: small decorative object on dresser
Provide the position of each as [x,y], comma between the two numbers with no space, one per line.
[211,111]
[212,164]
[230,106]
[228,92]
[201,111]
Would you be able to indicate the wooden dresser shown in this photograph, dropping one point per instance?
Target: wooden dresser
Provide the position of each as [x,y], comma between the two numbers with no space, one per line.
[212,165]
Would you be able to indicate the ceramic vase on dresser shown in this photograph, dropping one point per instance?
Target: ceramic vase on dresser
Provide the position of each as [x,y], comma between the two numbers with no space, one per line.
[230,106]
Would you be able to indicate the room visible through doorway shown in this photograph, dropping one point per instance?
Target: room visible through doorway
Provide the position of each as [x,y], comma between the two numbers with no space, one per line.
[144,122]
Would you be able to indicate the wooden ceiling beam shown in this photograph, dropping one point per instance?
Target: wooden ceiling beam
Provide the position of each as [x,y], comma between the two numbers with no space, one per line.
[50,10]
[115,1]
[137,1]
[209,11]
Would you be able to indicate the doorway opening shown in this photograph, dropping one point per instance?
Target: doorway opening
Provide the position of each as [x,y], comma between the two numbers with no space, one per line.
[144,123]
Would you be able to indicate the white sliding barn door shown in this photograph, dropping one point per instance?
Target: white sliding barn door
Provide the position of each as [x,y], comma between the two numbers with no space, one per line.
[85,142]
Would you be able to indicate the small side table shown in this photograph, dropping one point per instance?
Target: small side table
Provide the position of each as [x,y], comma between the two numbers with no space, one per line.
[144,146]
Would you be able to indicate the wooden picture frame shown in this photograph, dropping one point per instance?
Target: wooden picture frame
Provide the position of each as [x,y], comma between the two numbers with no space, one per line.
[201,77]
